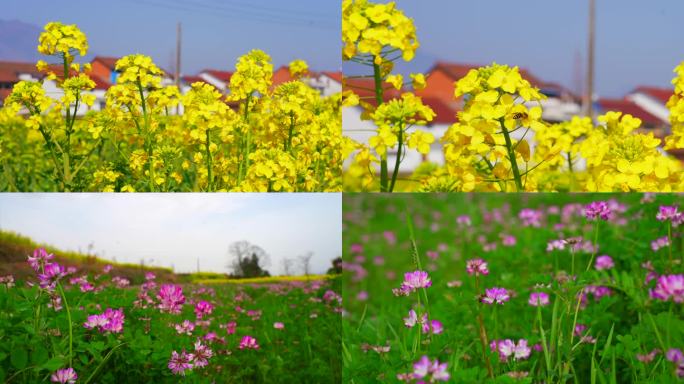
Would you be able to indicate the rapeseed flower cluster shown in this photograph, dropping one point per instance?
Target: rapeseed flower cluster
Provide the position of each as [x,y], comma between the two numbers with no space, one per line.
[147,136]
[499,140]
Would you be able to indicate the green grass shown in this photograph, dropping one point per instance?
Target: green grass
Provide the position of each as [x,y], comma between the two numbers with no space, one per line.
[619,322]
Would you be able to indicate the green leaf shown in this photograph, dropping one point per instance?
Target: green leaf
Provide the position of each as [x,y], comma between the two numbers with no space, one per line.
[54,363]
[19,358]
[39,356]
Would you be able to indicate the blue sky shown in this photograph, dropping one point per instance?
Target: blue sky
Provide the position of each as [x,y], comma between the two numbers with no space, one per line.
[638,42]
[216,32]
[176,229]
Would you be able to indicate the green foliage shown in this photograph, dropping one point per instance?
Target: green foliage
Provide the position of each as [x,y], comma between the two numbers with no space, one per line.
[625,323]
[305,351]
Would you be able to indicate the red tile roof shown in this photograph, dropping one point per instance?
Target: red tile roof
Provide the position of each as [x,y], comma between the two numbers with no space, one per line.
[365,89]
[192,79]
[221,75]
[457,71]
[4,93]
[337,76]
[627,106]
[99,82]
[109,62]
[7,76]
[445,114]
[20,68]
[660,94]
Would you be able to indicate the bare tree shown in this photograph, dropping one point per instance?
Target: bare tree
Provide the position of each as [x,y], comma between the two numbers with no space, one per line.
[287,266]
[304,261]
[247,260]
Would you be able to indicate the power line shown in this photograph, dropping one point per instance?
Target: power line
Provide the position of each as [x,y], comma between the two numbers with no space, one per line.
[223,13]
[256,13]
[270,9]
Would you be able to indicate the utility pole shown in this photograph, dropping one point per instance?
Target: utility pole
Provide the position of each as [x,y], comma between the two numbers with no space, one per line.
[198,265]
[178,54]
[589,90]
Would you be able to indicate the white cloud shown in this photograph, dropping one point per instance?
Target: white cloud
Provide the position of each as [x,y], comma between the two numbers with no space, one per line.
[179,229]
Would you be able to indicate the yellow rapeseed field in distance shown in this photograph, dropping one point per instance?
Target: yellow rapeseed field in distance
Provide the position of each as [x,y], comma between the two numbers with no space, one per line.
[266,280]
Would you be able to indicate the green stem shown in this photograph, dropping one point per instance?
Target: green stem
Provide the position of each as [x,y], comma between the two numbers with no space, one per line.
[288,145]
[547,355]
[208,161]
[482,333]
[148,139]
[48,141]
[669,240]
[244,148]
[511,157]
[377,79]
[593,254]
[400,138]
[71,331]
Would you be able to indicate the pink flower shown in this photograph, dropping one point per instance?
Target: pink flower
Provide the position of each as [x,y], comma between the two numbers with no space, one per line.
[203,308]
[674,355]
[178,364]
[412,319]
[430,371]
[332,296]
[669,212]
[647,358]
[171,298]
[278,325]
[8,281]
[230,327]
[434,326]
[669,287]
[412,282]
[507,348]
[604,262]
[477,267]
[464,220]
[40,258]
[149,276]
[51,273]
[598,209]
[107,268]
[495,295]
[390,237]
[67,375]
[121,282]
[538,299]
[356,248]
[186,327]
[202,355]
[530,217]
[111,320]
[248,342]
[659,243]
[508,240]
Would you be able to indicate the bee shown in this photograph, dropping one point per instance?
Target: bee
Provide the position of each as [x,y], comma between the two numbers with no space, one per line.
[520,115]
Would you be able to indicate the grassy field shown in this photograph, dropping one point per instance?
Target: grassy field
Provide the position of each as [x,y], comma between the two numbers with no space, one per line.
[105,329]
[600,319]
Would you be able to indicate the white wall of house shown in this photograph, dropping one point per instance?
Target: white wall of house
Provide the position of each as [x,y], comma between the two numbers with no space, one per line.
[362,130]
[555,109]
[651,105]
[325,85]
[221,85]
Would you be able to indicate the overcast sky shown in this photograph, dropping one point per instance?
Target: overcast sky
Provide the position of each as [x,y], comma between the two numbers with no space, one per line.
[638,42]
[177,229]
[215,32]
